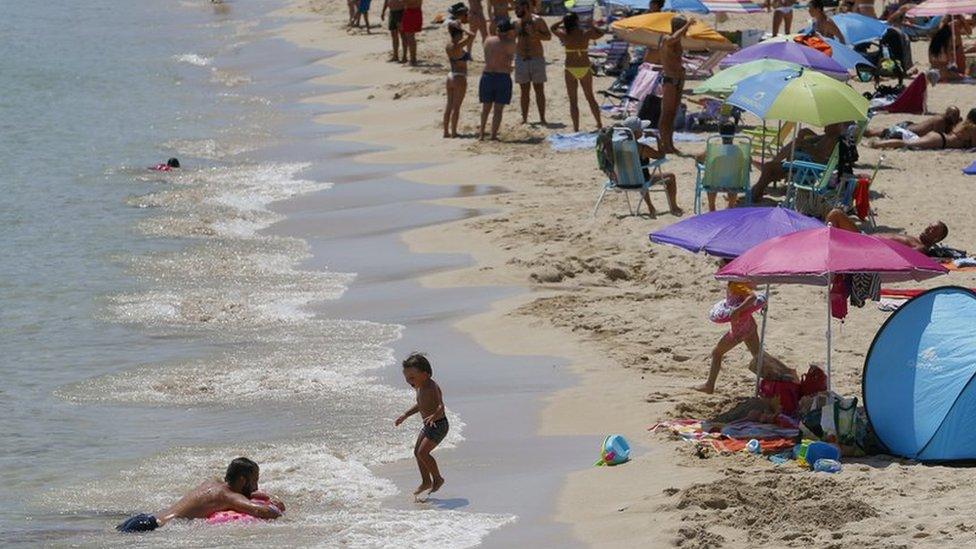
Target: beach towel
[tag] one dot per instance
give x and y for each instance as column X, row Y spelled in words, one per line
column 766, row 446
column 748, row 430
column 563, row 142
column 862, row 198
column 970, row 169
column 690, row 430
column 911, row 100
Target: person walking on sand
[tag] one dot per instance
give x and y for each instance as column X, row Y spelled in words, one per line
column 476, row 19
column 672, row 81
column 238, row 492
column 578, row 73
column 394, row 26
column 430, row 404
column 458, row 54
column 362, row 14
column 530, row 61
column 411, row 23
column 740, row 302
column 495, row 87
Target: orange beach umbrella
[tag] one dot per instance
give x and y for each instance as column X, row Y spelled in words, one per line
column 648, row 29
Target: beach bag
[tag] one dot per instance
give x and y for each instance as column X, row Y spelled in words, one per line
column 813, row 382
column 786, row 393
column 614, row 451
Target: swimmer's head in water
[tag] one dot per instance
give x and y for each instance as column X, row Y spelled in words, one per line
column 173, row 163
column 416, row 369
column 242, row 476
column 934, row 233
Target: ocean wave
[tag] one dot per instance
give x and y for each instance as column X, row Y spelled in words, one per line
column 193, row 59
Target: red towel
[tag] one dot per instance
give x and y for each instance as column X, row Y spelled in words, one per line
column 862, row 199
column 912, row 99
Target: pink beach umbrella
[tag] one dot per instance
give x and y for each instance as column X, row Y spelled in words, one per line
column 814, row 256
column 933, row 8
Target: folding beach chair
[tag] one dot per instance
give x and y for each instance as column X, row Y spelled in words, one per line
column 621, row 105
column 619, row 159
column 819, row 182
column 611, row 58
column 699, row 68
column 767, row 141
column 726, row 169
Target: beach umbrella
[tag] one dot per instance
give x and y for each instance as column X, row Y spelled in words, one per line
column 934, row 8
column 732, row 6
column 722, row 83
column 688, row 6
column 787, row 51
column 647, row 30
column 728, row 234
column 814, row 256
column 858, row 29
column 842, row 53
column 803, row 96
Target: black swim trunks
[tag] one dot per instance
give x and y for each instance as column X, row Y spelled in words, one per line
column 395, row 17
column 139, row 523
column 438, row 431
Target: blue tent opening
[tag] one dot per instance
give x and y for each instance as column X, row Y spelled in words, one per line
column 918, row 387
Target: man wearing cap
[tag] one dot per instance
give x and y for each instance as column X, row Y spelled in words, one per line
column 495, row 87
column 530, row 62
column 637, row 127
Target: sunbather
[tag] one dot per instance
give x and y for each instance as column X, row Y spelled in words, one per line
column 822, row 24
column 909, row 131
column 638, row 127
column 962, row 136
column 932, row 235
column 809, row 146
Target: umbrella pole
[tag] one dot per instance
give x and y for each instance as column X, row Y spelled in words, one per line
column 762, row 342
column 762, row 147
column 829, row 379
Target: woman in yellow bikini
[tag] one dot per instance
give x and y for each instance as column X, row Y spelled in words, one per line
column 578, row 70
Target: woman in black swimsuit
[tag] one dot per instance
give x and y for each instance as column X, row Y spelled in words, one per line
column 458, row 54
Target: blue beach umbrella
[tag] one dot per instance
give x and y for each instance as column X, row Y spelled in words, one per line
column 858, row 29
column 689, row 6
column 804, row 96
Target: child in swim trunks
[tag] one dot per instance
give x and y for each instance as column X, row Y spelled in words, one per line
column 740, row 299
column 430, row 405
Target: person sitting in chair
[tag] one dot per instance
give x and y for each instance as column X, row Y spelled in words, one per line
column 808, row 146
column 638, row 127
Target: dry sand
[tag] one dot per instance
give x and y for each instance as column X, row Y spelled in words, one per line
column 631, row 316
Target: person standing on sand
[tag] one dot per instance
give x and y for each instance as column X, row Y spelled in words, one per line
column 362, row 13
column 495, row 87
column 822, row 24
column 411, row 23
column 652, row 54
column 236, row 493
column 783, row 15
column 458, row 54
column 498, row 12
column 530, row 61
column 579, row 72
column 672, row 81
column 476, row 17
column 396, row 34
column 430, row 404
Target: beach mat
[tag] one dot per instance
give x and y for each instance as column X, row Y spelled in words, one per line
column 970, row 169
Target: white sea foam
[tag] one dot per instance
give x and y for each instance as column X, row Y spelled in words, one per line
column 193, row 59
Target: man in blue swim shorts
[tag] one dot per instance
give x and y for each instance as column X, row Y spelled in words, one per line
column 238, row 492
column 495, row 87
column 362, row 13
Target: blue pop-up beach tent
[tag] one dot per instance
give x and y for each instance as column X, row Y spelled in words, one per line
column 918, row 387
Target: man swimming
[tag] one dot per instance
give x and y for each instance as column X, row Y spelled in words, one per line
column 233, row 494
column 932, row 235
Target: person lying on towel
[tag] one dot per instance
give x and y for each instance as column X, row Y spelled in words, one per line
column 962, row 136
column 932, row 235
column 909, row 131
column 233, row 494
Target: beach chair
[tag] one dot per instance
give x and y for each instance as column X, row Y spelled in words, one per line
column 621, row 105
column 818, row 182
column 610, row 59
column 727, row 168
column 619, row 160
column 767, row 141
column 699, row 68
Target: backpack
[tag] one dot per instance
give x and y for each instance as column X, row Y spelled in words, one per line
column 604, row 152
column 813, row 382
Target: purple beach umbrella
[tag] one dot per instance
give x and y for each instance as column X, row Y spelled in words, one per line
column 729, row 233
column 788, row 51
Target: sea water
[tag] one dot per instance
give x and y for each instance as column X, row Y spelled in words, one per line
column 151, row 329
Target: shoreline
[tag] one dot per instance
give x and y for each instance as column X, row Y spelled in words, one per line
column 628, row 317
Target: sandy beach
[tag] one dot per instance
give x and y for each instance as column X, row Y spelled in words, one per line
column 630, row 317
